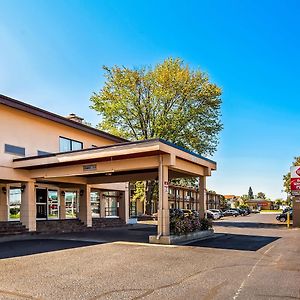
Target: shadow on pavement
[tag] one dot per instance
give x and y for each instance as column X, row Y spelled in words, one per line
column 47, row 243
column 235, row 242
column 140, row 234
column 29, row 247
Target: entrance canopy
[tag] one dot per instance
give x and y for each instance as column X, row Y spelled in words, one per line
column 116, row 163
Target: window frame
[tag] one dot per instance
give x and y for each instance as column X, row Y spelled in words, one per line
column 6, row 150
column 70, row 144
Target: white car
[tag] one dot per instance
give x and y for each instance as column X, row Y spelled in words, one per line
column 215, row 215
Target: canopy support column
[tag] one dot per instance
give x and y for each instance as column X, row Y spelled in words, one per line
column 28, row 206
column 202, row 196
column 85, row 212
column 4, row 197
column 163, row 210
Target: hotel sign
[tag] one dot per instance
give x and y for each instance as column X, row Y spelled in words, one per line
column 88, row 168
column 295, row 181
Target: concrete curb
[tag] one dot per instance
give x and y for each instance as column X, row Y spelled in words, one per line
column 181, row 239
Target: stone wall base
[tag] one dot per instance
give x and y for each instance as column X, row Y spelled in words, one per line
column 180, row 239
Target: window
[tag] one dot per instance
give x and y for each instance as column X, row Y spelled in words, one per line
column 66, row 145
column 14, row 150
column 41, row 153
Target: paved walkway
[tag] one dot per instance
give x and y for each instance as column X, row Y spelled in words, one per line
column 239, row 263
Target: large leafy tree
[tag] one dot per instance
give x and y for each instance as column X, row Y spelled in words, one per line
column 169, row 101
column 287, row 177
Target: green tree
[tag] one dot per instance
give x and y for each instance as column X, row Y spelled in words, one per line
column 261, row 195
column 244, row 198
column 170, row 101
column 139, row 191
column 279, row 201
column 287, row 177
column 250, row 193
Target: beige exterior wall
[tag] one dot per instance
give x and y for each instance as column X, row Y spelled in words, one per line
column 34, row 133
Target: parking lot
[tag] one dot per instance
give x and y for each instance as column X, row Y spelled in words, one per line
column 250, row 257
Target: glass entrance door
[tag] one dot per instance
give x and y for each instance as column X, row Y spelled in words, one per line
column 95, row 204
column 14, row 203
column 53, row 204
column 41, row 203
column 111, row 207
column 71, row 205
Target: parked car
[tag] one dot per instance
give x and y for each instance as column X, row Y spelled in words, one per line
column 217, row 211
column 209, row 215
column 215, row 215
column 286, row 209
column 231, row 212
column 283, row 216
column 255, row 211
column 242, row 211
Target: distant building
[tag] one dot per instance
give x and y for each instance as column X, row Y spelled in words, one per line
column 259, row 204
column 180, row 197
column 232, row 200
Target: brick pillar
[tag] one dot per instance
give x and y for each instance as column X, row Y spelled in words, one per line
column 28, row 206
column 62, row 207
column 4, row 198
column 163, row 211
column 85, row 212
column 202, row 196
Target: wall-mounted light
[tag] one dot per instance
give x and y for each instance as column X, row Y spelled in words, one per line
column 81, row 192
column 23, row 187
column 4, row 190
column 62, row 193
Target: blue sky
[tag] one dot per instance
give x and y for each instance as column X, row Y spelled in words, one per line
column 51, row 53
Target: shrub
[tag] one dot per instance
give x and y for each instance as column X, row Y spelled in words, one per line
column 183, row 224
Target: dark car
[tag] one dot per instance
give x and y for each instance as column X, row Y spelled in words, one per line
column 240, row 211
column 286, row 210
column 283, row 216
column 231, row 212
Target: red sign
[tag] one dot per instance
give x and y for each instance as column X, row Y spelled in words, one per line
column 295, row 184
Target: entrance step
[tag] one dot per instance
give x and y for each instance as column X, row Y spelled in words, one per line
column 107, row 222
column 12, row 228
column 59, row 226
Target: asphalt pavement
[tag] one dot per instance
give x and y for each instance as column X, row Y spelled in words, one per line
column 239, row 262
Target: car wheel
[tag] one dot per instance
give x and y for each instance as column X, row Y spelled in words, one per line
column 282, row 219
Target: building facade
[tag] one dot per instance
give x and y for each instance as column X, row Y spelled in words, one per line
column 57, row 168
column 27, row 131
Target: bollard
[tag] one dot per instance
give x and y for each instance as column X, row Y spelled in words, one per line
column 288, row 219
